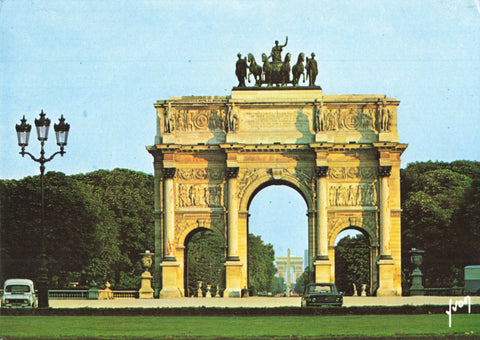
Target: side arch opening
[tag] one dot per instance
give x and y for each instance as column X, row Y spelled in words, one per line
column 204, row 259
column 353, row 262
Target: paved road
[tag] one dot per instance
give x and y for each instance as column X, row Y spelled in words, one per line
column 254, row 302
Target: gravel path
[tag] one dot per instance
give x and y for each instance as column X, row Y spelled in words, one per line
column 254, row 302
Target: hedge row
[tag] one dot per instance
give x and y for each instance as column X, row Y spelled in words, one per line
column 203, row 311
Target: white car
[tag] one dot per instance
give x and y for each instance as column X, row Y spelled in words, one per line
column 19, row 293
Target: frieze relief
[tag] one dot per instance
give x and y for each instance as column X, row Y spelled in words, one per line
column 200, row 174
column 352, row 195
column 185, row 120
column 199, row 195
column 367, row 119
column 364, row 173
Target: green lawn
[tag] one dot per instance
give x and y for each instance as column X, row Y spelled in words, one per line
column 114, row 327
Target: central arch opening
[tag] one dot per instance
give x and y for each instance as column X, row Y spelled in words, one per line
column 278, row 215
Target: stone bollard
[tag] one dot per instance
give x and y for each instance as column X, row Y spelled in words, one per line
column 355, row 290
column 364, row 292
column 106, row 294
column 93, row 291
column 208, row 295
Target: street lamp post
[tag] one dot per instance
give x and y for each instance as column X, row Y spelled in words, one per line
column 23, row 134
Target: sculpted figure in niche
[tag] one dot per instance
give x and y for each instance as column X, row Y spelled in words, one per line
column 276, row 54
column 312, row 70
column 241, row 70
column 169, row 119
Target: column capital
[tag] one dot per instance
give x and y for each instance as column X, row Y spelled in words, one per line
column 385, row 170
column 321, row 171
column 231, row 172
column 169, row 173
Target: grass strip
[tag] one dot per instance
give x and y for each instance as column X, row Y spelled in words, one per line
column 164, row 327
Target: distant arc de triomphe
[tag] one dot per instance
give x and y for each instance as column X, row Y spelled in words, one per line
column 213, row 154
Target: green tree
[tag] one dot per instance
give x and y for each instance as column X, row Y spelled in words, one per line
column 128, row 195
column 261, row 264
column 302, row 281
column 436, row 218
column 205, row 262
column 95, row 224
column 352, row 258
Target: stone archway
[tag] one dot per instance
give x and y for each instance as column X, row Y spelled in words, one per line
column 372, row 244
column 330, row 148
column 208, row 261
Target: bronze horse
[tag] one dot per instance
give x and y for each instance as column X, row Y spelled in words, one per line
column 298, row 69
column 276, row 73
column 254, row 69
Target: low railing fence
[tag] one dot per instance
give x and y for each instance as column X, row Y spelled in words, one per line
column 125, row 294
column 454, row 291
column 68, row 294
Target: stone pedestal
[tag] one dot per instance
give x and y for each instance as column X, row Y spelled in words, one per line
column 323, row 271
column 170, row 280
column 146, row 290
column 233, row 277
column 385, row 273
column 417, row 286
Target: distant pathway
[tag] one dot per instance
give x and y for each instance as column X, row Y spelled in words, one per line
column 249, row 302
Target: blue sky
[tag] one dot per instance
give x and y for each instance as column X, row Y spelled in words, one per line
column 104, row 63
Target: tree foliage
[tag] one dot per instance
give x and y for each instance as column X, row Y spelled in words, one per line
column 87, row 235
column 205, row 262
column 261, row 264
column 441, row 211
column 352, row 263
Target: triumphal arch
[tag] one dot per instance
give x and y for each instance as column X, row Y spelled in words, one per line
column 212, row 154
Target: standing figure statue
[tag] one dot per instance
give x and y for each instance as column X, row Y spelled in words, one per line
column 385, row 117
column 241, row 70
column 312, row 70
column 320, row 117
column 231, row 119
column 169, row 119
column 276, row 54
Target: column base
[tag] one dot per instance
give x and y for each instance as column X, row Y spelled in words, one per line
column 233, row 274
column 323, row 270
column 170, row 280
column 385, row 277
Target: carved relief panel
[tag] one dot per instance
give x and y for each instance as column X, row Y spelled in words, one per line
column 361, row 191
column 366, row 119
column 188, row 120
column 199, row 188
